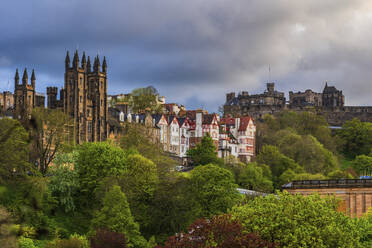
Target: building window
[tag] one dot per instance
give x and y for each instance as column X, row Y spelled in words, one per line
column 8, row 103
column 101, row 103
column 81, row 98
column 89, row 127
column 81, row 81
column 29, row 99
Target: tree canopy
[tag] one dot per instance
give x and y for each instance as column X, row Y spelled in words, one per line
column 357, row 137
column 204, row 152
column 214, row 189
column 144, row 98
column 13, row 149
column 116, row 216
column 298, row 221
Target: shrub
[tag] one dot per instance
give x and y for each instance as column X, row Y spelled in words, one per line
column 107, row 239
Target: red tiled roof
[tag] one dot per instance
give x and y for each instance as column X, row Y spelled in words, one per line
column 244, row 121
column 228, row 121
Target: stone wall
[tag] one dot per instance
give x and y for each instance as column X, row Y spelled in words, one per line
column 354, row 201
column 355, row 194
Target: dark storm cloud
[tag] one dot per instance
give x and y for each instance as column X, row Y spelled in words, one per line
column 195, row 51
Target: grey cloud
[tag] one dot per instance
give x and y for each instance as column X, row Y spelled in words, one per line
column 195, row 51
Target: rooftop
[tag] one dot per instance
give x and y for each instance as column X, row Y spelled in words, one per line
column 333, row 183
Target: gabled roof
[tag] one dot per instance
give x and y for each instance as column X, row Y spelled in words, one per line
column 228, row 121
column 244, row 121
column 208, row 118
column 181, row 120
column 171, row 118
column 157, row 118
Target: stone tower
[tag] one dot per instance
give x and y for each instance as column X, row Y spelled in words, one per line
column 52, row 97
column 85, row 97
column 332, row 98
column 24, row 96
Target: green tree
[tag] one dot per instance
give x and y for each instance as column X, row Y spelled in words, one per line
column 357, row 137
column 277, row 162
column 49, row 131
column 139, row 183
column 96, row 161
column 307, row 151
column 13, row 149
column 7, row 233
column 362, row 164
column 144, row 98
column 136, row 137
column 116, row 216
column 204, row 152
column 214, row 189
column 64, row 182
column 364, row 224
column 340, row 174
column 298, row 221
column 173, row 209
column 252, row 176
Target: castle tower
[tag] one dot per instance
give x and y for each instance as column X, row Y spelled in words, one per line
column 24, row 96
column 52, row 97
column 85, row 98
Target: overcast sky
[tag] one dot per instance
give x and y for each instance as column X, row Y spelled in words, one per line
column 195, row 51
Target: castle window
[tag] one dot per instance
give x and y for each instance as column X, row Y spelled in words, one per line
column 89, row 127
column 81, row 81
column 8, row 104
column 29, row 99
column 81, row 98
column 101, row 103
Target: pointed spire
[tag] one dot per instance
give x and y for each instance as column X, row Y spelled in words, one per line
column 75, row 62
column 97, row 64
column 83, row 60
column 25, row 76
column 33, row 78
column 16, row 77
column 89, row 67
column 67, row 60
column 33, row 75
column 104, row 64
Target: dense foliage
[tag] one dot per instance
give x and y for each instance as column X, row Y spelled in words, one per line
column 13, row 150
column 129, row 195
column 298, row 221
column 204, row 152
column 357, row 137
column 218, row 231
column 116, row 216
column 214, row 189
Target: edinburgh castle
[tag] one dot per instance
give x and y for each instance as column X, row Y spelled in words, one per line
column 329, row 103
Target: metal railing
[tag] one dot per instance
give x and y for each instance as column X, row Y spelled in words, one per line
column 332, row 183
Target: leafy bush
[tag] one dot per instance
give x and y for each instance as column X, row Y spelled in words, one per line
column 214, row 189
column 218, row 231
column 104, row 238
column 298, row 221
column 26, row 243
